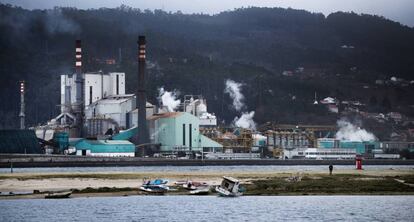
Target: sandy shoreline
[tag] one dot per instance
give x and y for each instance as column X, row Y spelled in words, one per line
column 28, row 182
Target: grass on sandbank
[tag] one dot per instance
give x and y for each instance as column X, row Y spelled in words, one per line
column 325, row 184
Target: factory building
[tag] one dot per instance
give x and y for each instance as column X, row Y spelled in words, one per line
column 288, row 139
column 197, row 106
column 116, row 112
column 106, row 105
column 361, row 147
column 98, row 85
column 109, row 148
column 320, row 153
column 178, row 131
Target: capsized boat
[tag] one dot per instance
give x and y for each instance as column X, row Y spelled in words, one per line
column 58, row 195
column 229, row 187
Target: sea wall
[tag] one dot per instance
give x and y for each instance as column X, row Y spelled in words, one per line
column 21, row 160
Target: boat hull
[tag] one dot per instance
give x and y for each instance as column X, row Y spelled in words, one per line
column 58, row 195
column 225, row 193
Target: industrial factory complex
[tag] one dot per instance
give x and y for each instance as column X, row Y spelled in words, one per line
column 99, row 118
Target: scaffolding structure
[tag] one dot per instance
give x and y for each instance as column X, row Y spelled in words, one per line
column 234, row 140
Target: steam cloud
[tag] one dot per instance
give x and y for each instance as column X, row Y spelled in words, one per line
column 348, row 131
column 169, row 99
column 234, row 90
column 245, row 121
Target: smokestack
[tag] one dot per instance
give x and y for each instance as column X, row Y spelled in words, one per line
column 143, row 134
column 79, row 88
column 78, row 57
column 22, row 115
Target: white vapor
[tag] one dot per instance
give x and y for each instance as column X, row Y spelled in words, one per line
column 348, row 131
column 169, row 99
column 57, row 22
column 245, row 121
column 234, row 90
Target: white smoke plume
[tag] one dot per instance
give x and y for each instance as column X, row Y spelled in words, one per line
column 57, row 22
column 169, row 99
column 234, row 90
column 348, row 131
column 245, row 121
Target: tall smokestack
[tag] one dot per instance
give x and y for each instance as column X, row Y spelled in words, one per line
column 22, row 115
column 143, row 135
column 79, row 88
column 78, row 57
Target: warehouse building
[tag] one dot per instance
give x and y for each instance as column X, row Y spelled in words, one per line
column 361, row 147
column 109, row 148
column 178, row 131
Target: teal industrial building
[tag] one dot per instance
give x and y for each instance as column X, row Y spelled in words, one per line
column 179, row 131
column 361, row 147
column 113, row 148
column 172, row 132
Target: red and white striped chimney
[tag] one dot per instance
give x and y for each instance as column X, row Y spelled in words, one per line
column 141, row 54
column 79, row 110
column 78, row 56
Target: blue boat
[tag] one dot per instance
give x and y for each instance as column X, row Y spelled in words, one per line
column 155, row 186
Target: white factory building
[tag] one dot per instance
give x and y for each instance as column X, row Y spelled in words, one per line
column 98, row 85
column 108, row 107
column 197, row 106
column 106, row 104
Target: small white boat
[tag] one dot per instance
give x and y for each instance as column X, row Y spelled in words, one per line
column 229, row 187
column 58, row 195
column 201, row 191
column 154, row 189
column 180, row 182
column 193, row 185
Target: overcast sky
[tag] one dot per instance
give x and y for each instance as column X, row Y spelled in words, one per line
column 397, row 10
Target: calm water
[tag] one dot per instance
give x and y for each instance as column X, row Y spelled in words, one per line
column 211, row 208
column 272, row 168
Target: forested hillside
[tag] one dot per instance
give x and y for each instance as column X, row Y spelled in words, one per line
column 282, row 56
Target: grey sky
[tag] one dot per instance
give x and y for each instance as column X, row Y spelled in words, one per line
column 397, row 10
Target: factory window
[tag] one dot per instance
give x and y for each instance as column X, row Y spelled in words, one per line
column 183, row 134
column 90, row 94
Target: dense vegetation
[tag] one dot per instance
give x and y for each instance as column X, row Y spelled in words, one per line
column 196, row 53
